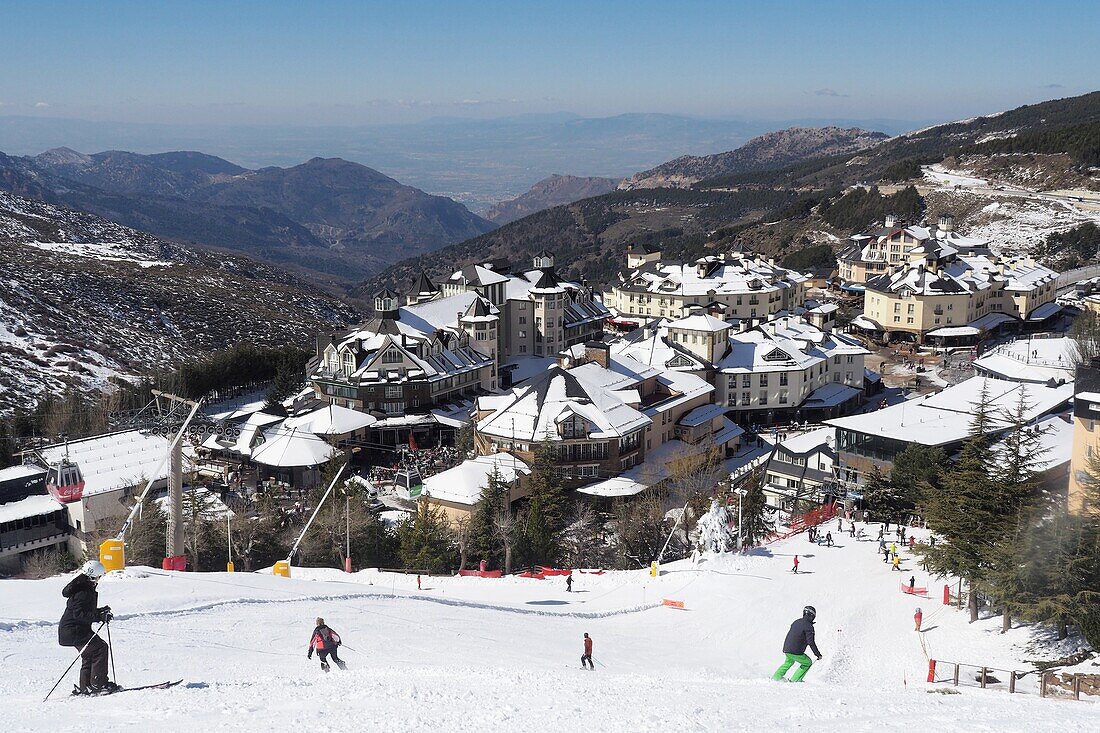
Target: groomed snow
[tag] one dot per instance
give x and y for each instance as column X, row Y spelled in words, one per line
column 474, row 654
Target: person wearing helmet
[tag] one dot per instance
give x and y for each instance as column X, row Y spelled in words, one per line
column 75, row 629
column 798, row 638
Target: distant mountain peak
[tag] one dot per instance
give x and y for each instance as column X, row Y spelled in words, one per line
column 770, row 150
column 554, row 190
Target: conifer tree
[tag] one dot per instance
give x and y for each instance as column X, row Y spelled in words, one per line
column 147, row 536
column 547, row 507
column 482, row 540
column 757, row 518
column 424, row 541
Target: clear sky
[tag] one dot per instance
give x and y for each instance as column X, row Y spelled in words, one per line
column 362, row 62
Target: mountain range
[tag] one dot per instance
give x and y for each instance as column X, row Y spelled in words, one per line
column 328, row 218
column 771, row 150
column 86, row 300
column 552, row 191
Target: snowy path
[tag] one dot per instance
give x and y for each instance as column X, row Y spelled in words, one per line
column 470, row 654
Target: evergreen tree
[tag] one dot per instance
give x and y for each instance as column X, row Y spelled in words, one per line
column 482, row 540
column 203, row 530
column 966, row 511
column 147, row 537
column 547, row 507
column 916, row 474
column 757, row 518
column 424, row 541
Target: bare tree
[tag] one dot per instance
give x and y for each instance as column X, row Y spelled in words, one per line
column 461, row 527
column 583, row 543
column 506, row 529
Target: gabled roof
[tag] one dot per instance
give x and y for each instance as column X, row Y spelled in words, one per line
column 477, row 275
column 424, row 285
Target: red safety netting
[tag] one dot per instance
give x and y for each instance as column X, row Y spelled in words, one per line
column 554, row 571
column 914, row 590
column 802, row 522
column 480, row 573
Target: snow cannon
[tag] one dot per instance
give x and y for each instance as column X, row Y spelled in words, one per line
column 229, row 567
column 282, row 568
column 112, row 553
column 653, row 569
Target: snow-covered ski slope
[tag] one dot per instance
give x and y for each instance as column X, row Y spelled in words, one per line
column 471, row 654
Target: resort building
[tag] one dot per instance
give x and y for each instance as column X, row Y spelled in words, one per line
column 1084, row 475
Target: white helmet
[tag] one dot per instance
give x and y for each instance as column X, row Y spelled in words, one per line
column 94, row 569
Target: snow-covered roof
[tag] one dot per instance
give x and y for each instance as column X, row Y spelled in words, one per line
column 32, row 506
column 702, row 414
column 831, row 395
column 463, row 483
column 1032, row 360
column 735, row 272
column 964, row 274
column 809, row 441
column 116, row 460
column 26, row 470
column 332, row 420
column 289, row 447
column 651, row 345
column 700, row 322
column 1055, row 442
column 945, row 417
column 1045, row 311
column 862, row 321
column 784, row 344
column 525, row 367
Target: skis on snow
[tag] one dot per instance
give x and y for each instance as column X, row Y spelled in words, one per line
column 157, row 686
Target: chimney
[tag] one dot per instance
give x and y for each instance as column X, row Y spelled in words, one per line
column 947, row 223
column 891, row 220
column 599, row 353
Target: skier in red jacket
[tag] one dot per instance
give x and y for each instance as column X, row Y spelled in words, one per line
column 325, row 642
column 587, row 656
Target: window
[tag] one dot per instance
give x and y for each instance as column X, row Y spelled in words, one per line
column 523, row 349
column 393, row 391
column 836, row 359
column 783, row 379
column 763, row 398
column 909, row 319
column 911, row 308
column 746, row 398
column 746, row 380
column 763, row 380
column 897, row 319
column 482, row 336
column 783, row 397
column 897, row 307
column 349, row 362
column 523, row 319
column 851, row 359
column 391, row 356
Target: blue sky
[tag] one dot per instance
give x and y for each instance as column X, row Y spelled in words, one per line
column 366, row 62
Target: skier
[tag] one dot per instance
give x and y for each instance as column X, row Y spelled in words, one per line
column 912, row 583
column 325, row 641
column 897, row 563
column 917, row 618
column 880, row 539
column 912, row 542
column 568, row 583
column 75, row 629
column 852, row 530
column 798, row 638
column 829, row 539
column 840, row 524
column 795, row 568
column 886, row 554
column 587, row 656
column 893, row 548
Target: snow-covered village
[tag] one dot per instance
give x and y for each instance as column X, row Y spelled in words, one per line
column 777, row 410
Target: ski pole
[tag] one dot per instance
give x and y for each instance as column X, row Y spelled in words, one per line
column 78, row 656
column 111, row 650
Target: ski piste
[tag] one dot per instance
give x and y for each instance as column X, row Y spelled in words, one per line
column 157, row 686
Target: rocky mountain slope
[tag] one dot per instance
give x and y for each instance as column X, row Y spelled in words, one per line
column 773, row 150
column 326, row 218
column 86, row 300
column 552, row 191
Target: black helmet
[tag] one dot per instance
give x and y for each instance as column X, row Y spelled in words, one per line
column 810, row 612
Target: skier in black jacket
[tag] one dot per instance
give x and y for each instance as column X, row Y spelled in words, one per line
column 798, row 638
column 75, row 629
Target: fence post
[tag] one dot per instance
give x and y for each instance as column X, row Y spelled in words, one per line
column 946, row 594
column 983, row 677
column 1043, row 685
column 956, row 674
column 1076, row 686
column 931, row 670
column 1011, row 683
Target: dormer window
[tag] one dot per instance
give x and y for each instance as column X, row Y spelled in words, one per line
column 777, row 355
column 349, row 363
column 391, row 356
column 574, row 427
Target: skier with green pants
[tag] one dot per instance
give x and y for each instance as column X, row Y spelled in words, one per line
column 798, row 638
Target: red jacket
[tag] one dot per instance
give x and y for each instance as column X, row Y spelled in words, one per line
column 324, row 638
column 588, row 646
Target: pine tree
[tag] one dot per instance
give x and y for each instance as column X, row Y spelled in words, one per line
column 757, row 518
column 147, row 537
column 547, row 507
column 482, row 540
column 966, row 511
column 424, row 541
column 203, row 530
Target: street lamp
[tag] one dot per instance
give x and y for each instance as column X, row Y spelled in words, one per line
column 741, row 493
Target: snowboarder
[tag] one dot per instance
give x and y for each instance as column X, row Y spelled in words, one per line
column 829, row 539
column 800, row 636
column 75, row 629
column 568, row 583
column 325, row 642
column 587, row 656
column 795, row 568
column 917, row 618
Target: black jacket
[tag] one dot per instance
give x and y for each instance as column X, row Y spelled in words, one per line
column 81, row 612
column 799, row 637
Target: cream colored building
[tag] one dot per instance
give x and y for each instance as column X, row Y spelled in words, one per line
column 945, row 295
column 738, row 285
column 1085, row 457
column 883, row 249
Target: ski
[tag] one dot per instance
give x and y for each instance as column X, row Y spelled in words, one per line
column 157, row 686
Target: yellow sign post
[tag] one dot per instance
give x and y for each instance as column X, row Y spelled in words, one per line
column 653, row 568
column 112, row 553
column 282, row 568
